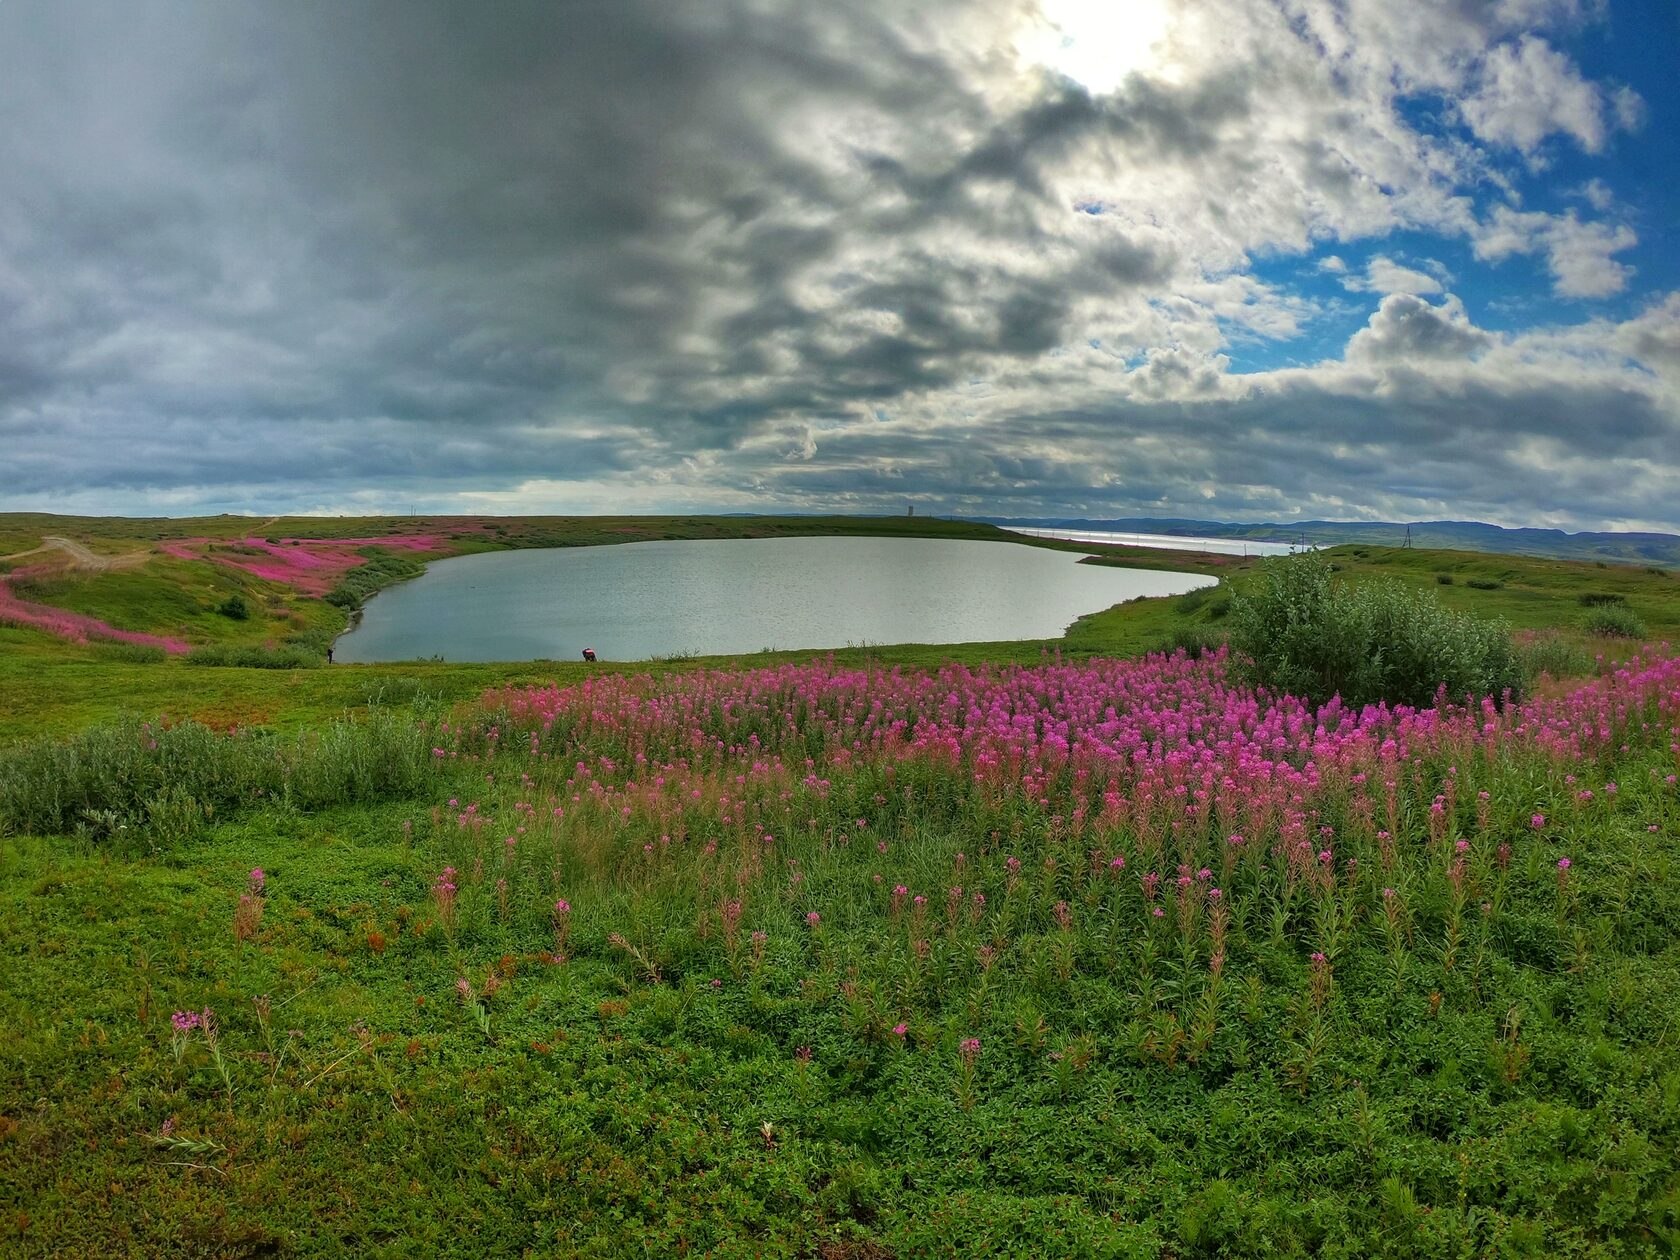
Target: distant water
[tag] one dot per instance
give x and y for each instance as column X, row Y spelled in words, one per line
column 636, row 600
column 1167, row 542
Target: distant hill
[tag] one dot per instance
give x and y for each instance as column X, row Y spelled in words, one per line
column 1658, row 549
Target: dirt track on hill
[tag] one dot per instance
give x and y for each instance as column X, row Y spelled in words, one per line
column 80, row 556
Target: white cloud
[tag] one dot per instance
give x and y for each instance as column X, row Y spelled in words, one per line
column 1579, row 254
column 1384, row 275
column 1527, row 91
column 1406, row 329
column 1597, row 194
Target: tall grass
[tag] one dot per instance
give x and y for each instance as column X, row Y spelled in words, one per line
column 160, row 779
column 248, row 657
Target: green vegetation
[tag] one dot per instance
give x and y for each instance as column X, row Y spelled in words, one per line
column 1615, row 621
column 119, row 778
column 1300, row 632
column 1447, row 1038
column 1551, row 655
column 378, row 570
column 254, row 657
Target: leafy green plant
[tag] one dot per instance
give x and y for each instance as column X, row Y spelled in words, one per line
column 1615, row 621
column 234, row 608
column 1298, row 630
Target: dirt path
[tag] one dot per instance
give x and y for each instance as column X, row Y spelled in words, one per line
column 80, row 556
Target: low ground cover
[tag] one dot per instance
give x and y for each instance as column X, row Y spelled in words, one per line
column 1072, row 958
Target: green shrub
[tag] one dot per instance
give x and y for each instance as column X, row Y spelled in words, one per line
column 254, row 657
column 234, row 607
column 1599, row 599
column 1299, row 631
column 1444, row 579
column 1483, row 584
column 1615, row 621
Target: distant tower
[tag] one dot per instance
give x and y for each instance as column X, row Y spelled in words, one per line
column 1408, row 541
column 911, row 511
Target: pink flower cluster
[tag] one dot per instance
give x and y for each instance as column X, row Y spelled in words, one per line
column 77, row 627
column 311, row 565
column 1150, row 745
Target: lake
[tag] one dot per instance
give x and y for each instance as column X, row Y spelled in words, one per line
column 1160, row 542
column 632, row 601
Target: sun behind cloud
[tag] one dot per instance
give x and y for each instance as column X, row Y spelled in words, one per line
column 1098, row 44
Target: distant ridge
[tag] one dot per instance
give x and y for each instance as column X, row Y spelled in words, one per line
column 1658, row 549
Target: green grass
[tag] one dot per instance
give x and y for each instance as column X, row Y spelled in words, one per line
column 1487, row 1079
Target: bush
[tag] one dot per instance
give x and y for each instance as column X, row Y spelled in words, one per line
column 1444, row 579
column 234, row 607
column 1599, row 599
column 1300, row 632
column 1483, row 584
column 1615, row 621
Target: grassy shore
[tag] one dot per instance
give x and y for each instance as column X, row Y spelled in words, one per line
column 990, row 949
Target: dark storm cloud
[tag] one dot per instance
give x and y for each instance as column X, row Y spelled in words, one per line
column 806, row 255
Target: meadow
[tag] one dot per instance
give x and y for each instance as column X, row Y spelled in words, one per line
column 1039, row 949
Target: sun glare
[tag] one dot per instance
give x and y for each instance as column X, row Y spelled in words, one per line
column 1097, row 43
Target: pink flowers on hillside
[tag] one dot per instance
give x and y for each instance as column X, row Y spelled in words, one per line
column 311, row 565
column 77, row 627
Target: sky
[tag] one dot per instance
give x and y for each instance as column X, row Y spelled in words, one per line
column 1227, row 259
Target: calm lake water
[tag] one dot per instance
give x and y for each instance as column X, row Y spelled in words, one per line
column 1163, row 542
column 635, row 600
